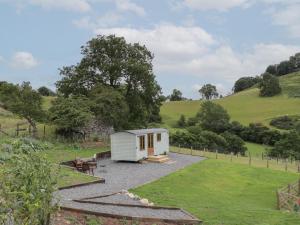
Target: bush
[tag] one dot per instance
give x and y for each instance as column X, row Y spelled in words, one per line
column 284, row 122
column 244, row 83
column 26, row 190
column 287, row 146
column 234, row 143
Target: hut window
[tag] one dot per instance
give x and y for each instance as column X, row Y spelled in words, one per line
column 158, row 137
column 142, row 143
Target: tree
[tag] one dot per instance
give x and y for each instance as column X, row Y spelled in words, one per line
column 110, row 61
column 44, row 91
column 109, row 106
column 288, row 146
column 70, row 114
column 269, row 85
column 235, row 143
column 27, row 183
column 272, row 69
column 213, row 117
column 284, row 68
column 176, row 95
column 208, row 91
column 182, row 121
column 23, row 101
column 244, row 83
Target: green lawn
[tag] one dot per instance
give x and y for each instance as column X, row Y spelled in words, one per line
column 255, row 149
column 245, row 107
column 220, row 192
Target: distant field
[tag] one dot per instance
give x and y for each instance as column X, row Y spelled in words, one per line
column 246, row 106
column 220, row 192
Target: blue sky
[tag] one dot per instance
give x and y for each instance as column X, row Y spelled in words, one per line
column 194, row 41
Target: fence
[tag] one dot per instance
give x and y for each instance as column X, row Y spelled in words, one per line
column 288, row 198
column 262, row 161
column 21, row 129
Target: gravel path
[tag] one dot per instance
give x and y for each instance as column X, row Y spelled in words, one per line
column 120, row 176
column 125, row 175
column 170, row 214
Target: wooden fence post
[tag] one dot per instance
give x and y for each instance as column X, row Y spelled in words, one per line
column 250, row 159
column 44, row 131
column 231, row 156
column 17, row 130
column 191, row 150
column 286, row 166
column 262, row 156
column 267, row 162
column 216, row 154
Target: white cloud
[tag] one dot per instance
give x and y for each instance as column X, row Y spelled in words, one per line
column 191, row 51
column 69, row 5
column 23, row 60
column 127, row 5
column 108, row 19
column 289, row 17
column 220, row 5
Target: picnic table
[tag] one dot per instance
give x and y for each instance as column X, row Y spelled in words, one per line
column 85, row 165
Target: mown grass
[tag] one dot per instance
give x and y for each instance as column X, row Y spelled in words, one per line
column 245, row 107
column 255, row 149
column 220, row 192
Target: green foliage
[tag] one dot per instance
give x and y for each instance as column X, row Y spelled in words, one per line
column 244, row 83
column 213, row 117
column 27, row 184
column 109, row 106
column 44, row 91
column 288, row 146
column 269, row 86
column 127, row 68
column 284, row 122
column 234, row 143
column 208, row 91
column 176, row 95
column 23, row 101
column 70, row 113
column 182, row 121
column 285, row 67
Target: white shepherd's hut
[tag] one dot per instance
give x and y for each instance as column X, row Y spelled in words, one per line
column 135, row 145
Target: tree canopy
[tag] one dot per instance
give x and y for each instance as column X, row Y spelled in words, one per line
column 213, row 117
column 208, row 91
column 269, row 86
column 244, row 83
column 176, row 95
column 44, row 91
column 24, row 102
column 110, row 61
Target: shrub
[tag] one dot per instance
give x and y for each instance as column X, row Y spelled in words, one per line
column 26, row 187
column 284, row 122
column 234, row 143
column 181, row 122
column 269, row 86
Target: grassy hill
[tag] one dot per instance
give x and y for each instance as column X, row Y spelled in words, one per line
column 245, row 106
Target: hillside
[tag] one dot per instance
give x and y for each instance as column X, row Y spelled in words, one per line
column 245, row 106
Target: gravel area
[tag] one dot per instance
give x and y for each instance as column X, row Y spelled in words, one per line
column 132, row 211
column 126, row 175
column 121, row 176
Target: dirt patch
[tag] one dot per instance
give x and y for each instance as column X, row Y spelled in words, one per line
column 66, row 218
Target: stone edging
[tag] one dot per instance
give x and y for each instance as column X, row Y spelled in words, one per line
column 100, row 180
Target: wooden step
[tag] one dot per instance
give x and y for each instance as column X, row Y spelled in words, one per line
column 158, row 158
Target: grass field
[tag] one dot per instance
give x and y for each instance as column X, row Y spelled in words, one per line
column 245, row 107
column 255, row 149
column 220, row 192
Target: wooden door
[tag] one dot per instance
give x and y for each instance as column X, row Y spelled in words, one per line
column 150, row 144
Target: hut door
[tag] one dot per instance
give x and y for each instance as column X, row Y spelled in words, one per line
column 150, row 145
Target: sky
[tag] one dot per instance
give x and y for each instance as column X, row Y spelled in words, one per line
column 194, row 41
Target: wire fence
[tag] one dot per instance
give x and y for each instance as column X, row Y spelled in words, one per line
column 261, row 161
column 288, row 198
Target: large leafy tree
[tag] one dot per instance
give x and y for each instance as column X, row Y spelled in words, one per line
column 269, row 86
column 208, row 91
column 213, row 117
column 24, row 102
column 111, row 62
